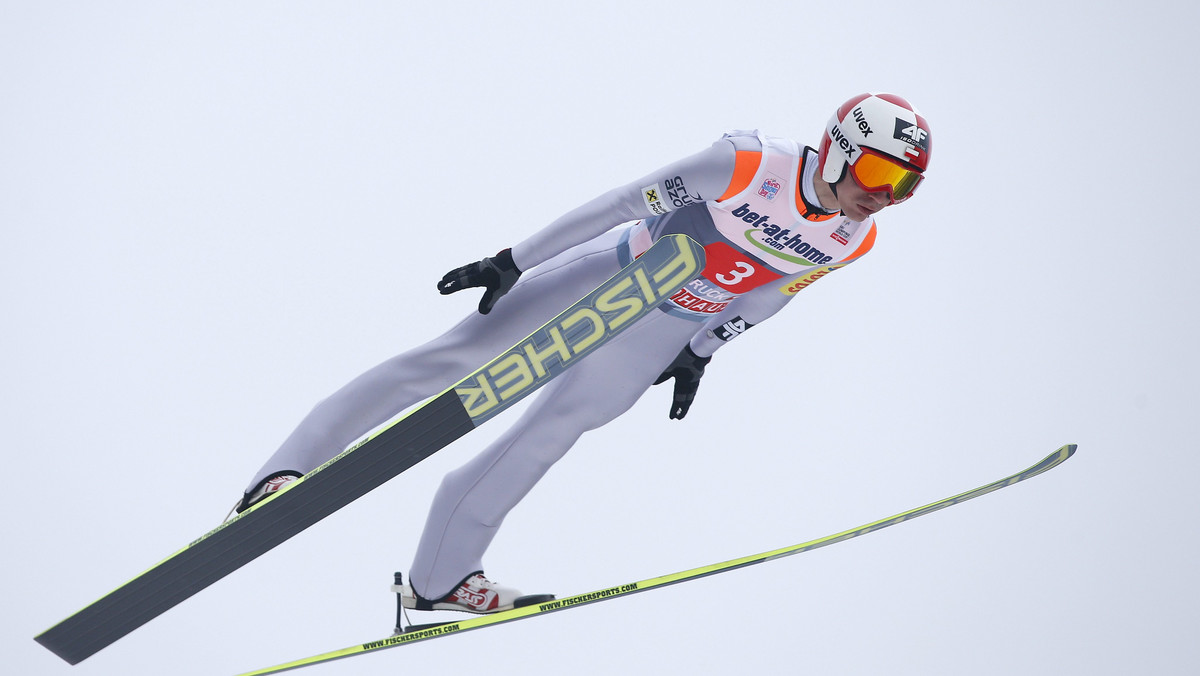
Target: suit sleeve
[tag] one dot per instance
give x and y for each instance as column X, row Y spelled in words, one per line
column 743, row 312
column 707, row 174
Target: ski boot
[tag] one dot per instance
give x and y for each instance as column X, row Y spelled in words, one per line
column 475, row 594
column 265, row 489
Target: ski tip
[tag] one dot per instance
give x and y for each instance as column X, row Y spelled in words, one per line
column 1058, row 457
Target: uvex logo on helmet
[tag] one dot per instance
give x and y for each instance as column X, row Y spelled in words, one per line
column 861, row 119
column 848, row 148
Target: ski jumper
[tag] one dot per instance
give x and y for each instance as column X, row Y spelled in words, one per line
column 748, row 199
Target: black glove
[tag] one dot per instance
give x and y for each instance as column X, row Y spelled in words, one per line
column 498, row 274
column 686, row 370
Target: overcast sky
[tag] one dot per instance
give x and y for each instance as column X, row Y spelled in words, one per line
column 214, row 214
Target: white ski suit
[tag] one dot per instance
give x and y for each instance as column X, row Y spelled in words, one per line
column 748, row 199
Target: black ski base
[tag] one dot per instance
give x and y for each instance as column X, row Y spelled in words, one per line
column 244, row 539
column 579, row 330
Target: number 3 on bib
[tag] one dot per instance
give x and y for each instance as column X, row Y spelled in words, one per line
column 743, row 271
column 733, row 270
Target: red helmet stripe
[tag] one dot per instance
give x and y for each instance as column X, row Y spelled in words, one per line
column 849, row 105
column 892, row 98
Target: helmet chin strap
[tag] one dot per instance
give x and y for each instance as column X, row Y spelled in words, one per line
column 845, row 174
column 834, row 186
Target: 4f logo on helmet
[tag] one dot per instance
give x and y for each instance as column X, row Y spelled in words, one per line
column 913, row 135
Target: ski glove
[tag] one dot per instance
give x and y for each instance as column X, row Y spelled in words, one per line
column 686, row 370
column 498, row 274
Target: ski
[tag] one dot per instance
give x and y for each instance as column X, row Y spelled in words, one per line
column 579, row 330
column 426, row 632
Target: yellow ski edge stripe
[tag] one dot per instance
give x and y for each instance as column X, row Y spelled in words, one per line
column 1049, row 462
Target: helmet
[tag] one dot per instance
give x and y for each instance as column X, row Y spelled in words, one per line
column 882, row 140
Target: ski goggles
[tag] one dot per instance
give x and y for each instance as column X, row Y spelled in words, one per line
column 875, row 172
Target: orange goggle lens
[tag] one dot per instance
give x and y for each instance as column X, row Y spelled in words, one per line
column 875, row 173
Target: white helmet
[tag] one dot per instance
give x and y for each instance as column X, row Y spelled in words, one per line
column 885, row 128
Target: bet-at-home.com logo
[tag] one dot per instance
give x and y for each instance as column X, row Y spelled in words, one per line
column 778, row 240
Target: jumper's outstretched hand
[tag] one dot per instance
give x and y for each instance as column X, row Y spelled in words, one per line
column 497, row 274
column 686, row 370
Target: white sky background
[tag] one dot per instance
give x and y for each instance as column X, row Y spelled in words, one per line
column 214, row 214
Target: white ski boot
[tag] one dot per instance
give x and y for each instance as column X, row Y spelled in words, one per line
column 475, row 594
